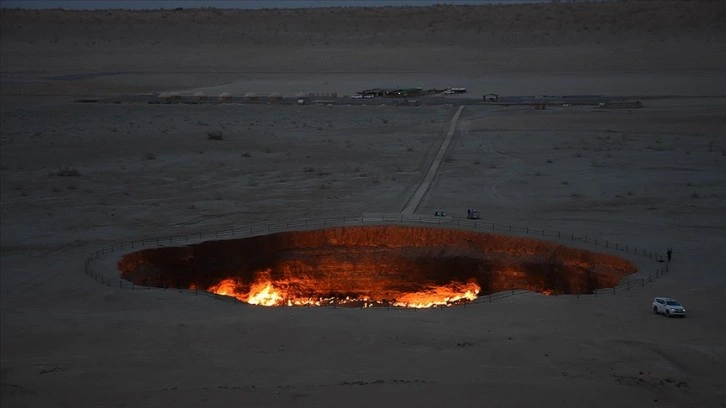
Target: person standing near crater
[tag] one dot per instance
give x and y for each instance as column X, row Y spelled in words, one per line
column 669, row 253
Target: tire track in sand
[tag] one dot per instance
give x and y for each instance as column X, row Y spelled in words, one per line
column 492, row 184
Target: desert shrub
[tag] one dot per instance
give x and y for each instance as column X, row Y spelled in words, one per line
column 68, row 172
column 215, row 135
column 150, row 156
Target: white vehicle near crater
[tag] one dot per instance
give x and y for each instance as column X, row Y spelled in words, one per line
column 669, row 307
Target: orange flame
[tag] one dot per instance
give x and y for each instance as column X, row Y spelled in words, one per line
column 265, row 292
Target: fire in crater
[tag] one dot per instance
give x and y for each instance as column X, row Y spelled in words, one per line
column 368, row 266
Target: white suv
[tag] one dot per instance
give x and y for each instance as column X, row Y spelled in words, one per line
column 669, row 307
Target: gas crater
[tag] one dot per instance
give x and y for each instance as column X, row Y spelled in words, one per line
column 368, row 266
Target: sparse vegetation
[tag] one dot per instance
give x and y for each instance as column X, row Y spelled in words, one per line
column 215, row 135
column 68, row 172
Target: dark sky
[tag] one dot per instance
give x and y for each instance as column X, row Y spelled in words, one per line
column 153, row 4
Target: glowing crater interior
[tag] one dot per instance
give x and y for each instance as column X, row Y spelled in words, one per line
column 367, row 266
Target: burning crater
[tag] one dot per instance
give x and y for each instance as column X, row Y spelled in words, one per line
column 367, row 266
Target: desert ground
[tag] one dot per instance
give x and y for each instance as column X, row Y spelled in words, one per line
column 77, row 177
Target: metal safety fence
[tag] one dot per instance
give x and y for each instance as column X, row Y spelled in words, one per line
column 638, row 280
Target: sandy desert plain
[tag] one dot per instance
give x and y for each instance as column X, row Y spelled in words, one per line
column 653, row 177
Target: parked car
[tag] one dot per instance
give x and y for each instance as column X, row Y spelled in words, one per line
column 669, row 307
